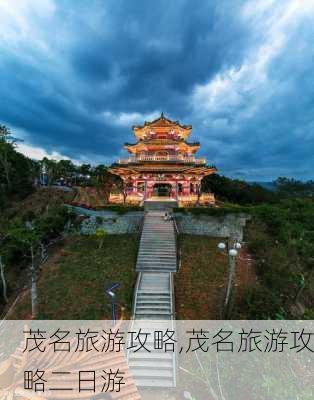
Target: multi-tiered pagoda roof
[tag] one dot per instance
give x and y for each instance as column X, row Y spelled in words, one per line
column 162, row 153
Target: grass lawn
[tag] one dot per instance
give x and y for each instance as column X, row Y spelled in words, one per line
column 72, row 282
column 200, row 283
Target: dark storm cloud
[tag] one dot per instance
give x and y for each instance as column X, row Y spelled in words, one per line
column 76, row 75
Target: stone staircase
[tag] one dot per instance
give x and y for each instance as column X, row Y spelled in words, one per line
column 153, row 300
column 157, row 250
column 153, row 368
column 154, row 296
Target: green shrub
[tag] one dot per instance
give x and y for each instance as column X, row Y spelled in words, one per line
column 99, row 220
column 214, row 211
column 261, row 303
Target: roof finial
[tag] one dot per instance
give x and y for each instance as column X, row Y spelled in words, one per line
column 162, row 115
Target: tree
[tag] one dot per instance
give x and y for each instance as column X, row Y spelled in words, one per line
column 101, row 235
column 29, row 238
column 3, row 253
column 16, row 170
column 6, row 146
column 85, row 169
column 51, row 167
column 65, row 168
column 287, row 187
column 123, row 186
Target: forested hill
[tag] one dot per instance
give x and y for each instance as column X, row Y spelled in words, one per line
column 244, row 193
column 16, row 171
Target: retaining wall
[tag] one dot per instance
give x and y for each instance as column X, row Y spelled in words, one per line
column 230, row 225
column 112, row 222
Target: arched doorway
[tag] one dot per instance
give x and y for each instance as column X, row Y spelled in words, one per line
column 162, row 189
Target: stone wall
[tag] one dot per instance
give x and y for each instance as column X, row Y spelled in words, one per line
column 112, row 222
column 230, row 225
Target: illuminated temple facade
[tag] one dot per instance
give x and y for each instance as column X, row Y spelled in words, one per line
column 162, row 165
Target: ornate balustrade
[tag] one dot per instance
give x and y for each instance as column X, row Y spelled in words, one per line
column 187, row 160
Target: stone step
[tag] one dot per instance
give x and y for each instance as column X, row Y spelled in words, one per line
column 154, row 294
column 156, row 268
column 152, row 313
column 156, row 355
column 155, row 236
column 152, row 277
column 164, row 228
column 151, row 299
column 161, row 252
column 153, row 268
column 160, row 300
column 156, row 254
column 160, row 383
column 165, row 252
column 153, row 318
column 153, row 373
column 147, row 283
column 151, row 364
column 164, row 293
column 156, row 289
column 157, row 260
column 160, row 247
column 154, row 227
column 157, row 249
column 161, row 310
column 157, row 263
column 157, row 240
column 154, row 306
column 152, row 264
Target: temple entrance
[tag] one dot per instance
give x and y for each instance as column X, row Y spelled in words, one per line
column 162, row 189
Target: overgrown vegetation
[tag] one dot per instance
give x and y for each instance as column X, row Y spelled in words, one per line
column 95, row 198
column 215, row 211
column 280, row 238
column 26, row 231
column 72, row 283
column 200, row 283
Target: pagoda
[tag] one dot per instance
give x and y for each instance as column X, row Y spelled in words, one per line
column 163, row 165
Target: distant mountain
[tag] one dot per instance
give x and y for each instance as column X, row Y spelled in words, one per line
column 267, row 185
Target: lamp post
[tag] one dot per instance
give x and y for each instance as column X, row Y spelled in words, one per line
column 112, row 296
column 232, row 249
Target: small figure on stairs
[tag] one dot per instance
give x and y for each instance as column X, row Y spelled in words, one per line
column 167, row 217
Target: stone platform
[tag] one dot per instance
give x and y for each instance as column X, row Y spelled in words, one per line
column 160, row 204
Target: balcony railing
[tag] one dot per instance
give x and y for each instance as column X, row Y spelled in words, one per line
column 185, row 160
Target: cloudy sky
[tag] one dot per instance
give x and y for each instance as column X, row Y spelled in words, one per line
column 75, row 75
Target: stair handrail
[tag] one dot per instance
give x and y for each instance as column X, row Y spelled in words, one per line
column 139, row 275
column 172, row 303
column 178, row 250
column 137, row 285
column 171, row 290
